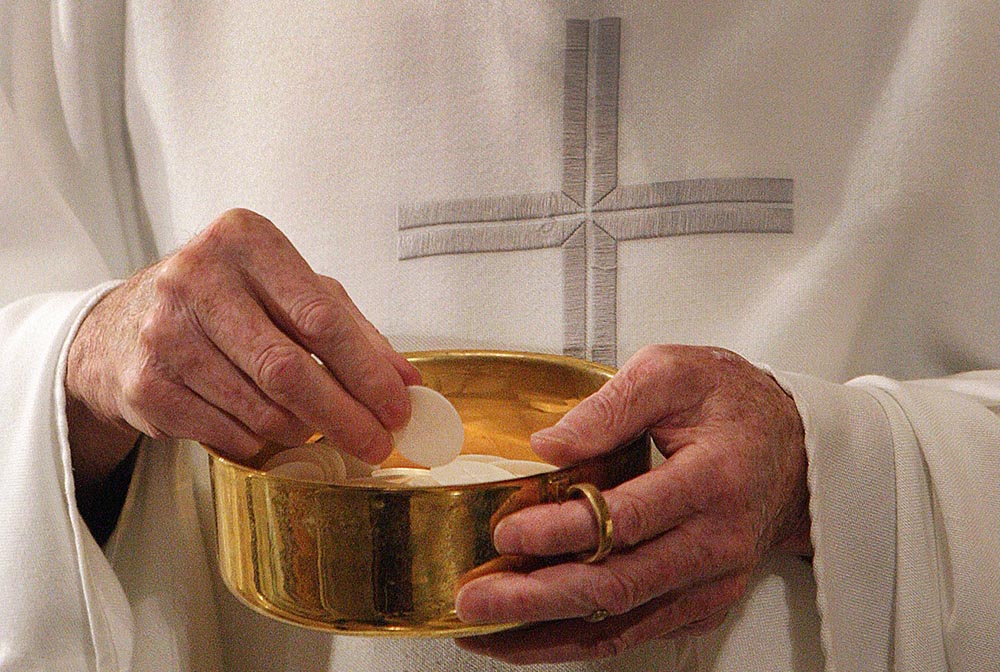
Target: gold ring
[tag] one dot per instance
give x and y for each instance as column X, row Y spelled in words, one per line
column 605, row 541
column 598, row 616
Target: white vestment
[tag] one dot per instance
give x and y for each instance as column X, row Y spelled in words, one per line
column 813, row 185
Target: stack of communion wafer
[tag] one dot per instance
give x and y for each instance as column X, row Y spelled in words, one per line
column 432, row 439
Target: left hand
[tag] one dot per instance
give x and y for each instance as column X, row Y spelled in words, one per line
column 688, row 535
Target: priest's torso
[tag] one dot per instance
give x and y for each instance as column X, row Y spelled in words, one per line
column 584, row 177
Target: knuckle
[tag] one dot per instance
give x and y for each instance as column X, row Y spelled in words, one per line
column 238, row 216
column 274, row 423
column 674, row 370
column 152, row 331
column 732, row 590
column 609, row 407
column 620, row 592
column 643, row 376
column 724, row 355
column 276, row 369
column 167, row 343
column 335, row 287
column 135, row 394
column 237, row 224
column 654, row 361
column 172, row 280
column 634, row 518
column 316, row 319
column 612, row 646
column 651, row 352
column 185, row 286
column 158, row 330
column 232, row 232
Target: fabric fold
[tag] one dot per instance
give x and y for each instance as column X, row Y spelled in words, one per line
column 75, row 614
column 853, row 519
column 902, row 526
column 948, row 535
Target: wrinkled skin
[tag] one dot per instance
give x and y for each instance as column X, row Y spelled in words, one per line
column 688, row 535
column 215, row 343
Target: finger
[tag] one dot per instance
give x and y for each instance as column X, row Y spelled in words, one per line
column 624, row 581
column 210, row 375
column 154, row 413
column 656, row 386
column 321, row 317
column 406, row 370
column 699, row 608
column 701, row 627
column 305, row 309
column 287, row 374
column 642, row 508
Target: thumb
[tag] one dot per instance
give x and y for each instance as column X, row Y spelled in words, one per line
column 627, row 405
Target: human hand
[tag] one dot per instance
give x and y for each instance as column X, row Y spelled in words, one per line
column 688, row 534
column 215, row 343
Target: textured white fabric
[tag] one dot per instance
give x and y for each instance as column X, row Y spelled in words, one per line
column 159, row 555
column 846, row 439
column 70, row 610
column 328, row 117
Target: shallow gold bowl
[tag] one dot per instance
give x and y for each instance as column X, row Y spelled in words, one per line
column 364, row 560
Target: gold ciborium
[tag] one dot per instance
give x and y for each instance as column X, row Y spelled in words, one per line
column 357, row 559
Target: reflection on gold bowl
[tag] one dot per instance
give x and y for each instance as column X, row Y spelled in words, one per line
column 387, row 561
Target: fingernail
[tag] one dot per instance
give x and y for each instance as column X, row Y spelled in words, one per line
column 540, row 437
column 550, row 444
column 472, row 603
column 498, row 533
column 506, row 539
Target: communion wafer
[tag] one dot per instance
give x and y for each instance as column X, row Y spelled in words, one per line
column 317, row 461
column 524, row 467
column 479, row 457
column 434, row 434
column 404, row 476
column 467, row 472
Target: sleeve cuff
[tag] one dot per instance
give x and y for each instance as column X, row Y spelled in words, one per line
column 851, row 478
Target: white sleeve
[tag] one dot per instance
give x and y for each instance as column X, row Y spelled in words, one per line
column 67, row 226
column 904, row 482
column 65, row 608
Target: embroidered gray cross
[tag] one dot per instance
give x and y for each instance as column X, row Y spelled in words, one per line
column 592, row 213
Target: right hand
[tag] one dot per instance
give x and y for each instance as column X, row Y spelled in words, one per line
column 215, row 343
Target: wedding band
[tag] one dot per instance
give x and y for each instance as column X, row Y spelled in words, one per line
column 605, row 541
column 596, row 617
